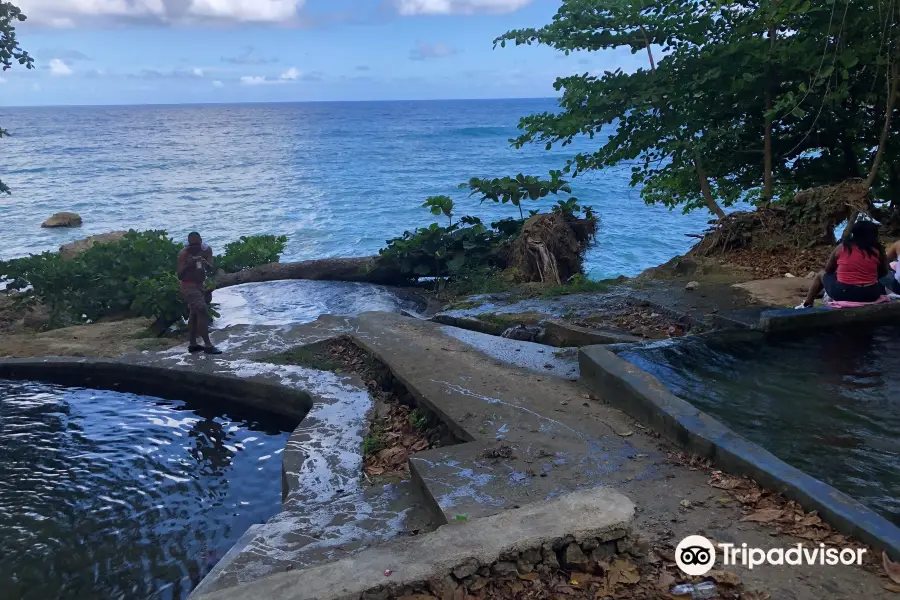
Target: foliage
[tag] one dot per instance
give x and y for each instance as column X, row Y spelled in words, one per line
column 440, row 205
column 815, row 75
column 10, row 51
column 576, row 284
column 372, row 444
column 515, row 189
column 99, row 282
column 436, row 251
column 135, row 275
column 251, row 251
column 418, row 419
column 159, row 298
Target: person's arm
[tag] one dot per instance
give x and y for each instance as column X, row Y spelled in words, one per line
column 208, row 255
column 183, row 264
column 884, row 266
column 831, row 263
column 892, row 251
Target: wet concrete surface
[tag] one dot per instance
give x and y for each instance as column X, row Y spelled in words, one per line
column 537, row 358
column 329, row 509
column 536, row 437
column 646, row 307
column 560, row 439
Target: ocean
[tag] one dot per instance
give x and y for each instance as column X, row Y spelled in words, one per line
column 338, row 178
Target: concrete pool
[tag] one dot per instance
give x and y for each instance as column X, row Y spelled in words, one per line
column 110, row 494
column 826, row 402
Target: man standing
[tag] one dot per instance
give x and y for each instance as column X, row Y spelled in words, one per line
column 193, row 261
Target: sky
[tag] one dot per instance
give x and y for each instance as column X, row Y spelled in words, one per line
column 100, row 52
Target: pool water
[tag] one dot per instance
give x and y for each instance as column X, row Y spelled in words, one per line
column 827, row 403
column 112, row 495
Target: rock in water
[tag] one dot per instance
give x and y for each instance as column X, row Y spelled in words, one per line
column 692, row 285
column 63, row 219
column 75, row 248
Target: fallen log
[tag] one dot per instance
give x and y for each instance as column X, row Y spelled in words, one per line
column 363, row 269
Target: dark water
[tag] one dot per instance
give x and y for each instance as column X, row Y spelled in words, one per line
column 828, row 403
column 111, row 495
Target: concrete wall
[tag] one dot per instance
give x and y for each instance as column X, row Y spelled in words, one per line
column 163, row 382
column 580, row 530
column 644, row 398
column 824, row 317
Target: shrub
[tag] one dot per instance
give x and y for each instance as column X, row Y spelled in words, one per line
column 251, row 251
column 135, row 275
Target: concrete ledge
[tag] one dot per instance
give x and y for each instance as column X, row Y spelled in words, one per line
column 471, row 323
column 564, row 335
column 644, row 398
column 600, row 513
column 163, row 382
column 823, row 317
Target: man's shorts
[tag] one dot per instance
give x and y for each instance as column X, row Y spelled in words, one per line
column 195, row 297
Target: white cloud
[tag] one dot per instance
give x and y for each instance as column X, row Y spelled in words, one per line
column 59, row 68
column 197, row 72
column 218, row 84
column 272, row 11
column 458, row 7
column 254, row 80
column 69, row 13
column 292, row 74
column 425, row 51
column 2, row 80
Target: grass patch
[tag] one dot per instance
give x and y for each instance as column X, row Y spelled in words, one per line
column 506, row 320
column 466, row 304
column 306, row 356
column 579, row 285
column 418, row 419
column 372, row 444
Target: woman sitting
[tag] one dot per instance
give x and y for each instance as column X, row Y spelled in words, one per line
column 852, row 271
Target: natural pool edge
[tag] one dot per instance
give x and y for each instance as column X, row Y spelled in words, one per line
column 221, row 391
column 163, row 382
column 643, row 397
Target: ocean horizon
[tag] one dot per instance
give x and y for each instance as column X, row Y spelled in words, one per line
column 338, row 178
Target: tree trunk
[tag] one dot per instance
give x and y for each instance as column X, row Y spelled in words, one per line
column 704, row 187
column 649, row 51
column 882, row 141
column 767, row 144
column 363, row 269
column 701, row 172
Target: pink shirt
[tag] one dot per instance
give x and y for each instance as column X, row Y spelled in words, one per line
column 857, row 267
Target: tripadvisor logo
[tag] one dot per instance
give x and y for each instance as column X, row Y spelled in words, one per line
column 695, row 555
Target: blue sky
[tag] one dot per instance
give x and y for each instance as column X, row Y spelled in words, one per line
column 189, row 51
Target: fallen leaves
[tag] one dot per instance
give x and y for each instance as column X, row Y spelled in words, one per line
column 766, row 507
column 398, row 436
column 891, row 569
column 766, row 515
column 725, row 577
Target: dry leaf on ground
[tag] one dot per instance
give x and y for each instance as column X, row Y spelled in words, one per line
column 725, row 577
column 766, row 515
column 666, row 581
column 892, row 569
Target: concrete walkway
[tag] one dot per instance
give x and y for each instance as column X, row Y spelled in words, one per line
column 537, row 437
column 528, row 437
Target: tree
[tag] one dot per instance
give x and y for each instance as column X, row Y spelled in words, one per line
column 748, row 99
column 10, row 51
